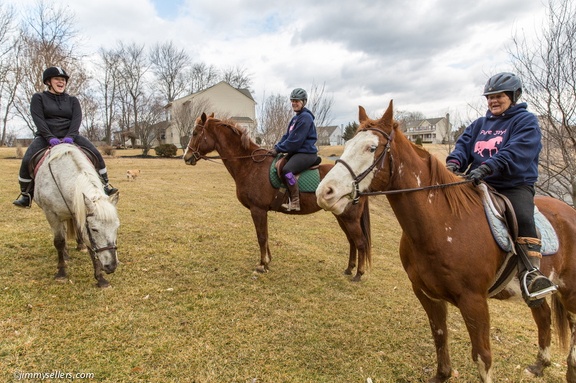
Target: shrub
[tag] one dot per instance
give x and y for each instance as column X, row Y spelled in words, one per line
column 108, row 150
column 166, row 150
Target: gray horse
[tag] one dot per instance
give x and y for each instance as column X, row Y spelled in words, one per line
column 69, row 191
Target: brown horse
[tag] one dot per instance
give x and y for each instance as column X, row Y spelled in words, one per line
column 249, row 165
column 447, row 248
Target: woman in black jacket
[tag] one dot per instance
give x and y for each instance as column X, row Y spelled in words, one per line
column 57, row 116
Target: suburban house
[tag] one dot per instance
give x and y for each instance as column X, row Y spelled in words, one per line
column 222, row 99
column 329, row 136
column 429, row 131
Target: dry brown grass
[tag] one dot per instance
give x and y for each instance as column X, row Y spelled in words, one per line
column 185, row 305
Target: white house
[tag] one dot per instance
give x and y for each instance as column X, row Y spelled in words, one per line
column 222, row 99
column 430, row 130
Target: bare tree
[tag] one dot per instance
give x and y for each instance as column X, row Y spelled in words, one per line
column 91, row 122
column 151, row 114
column 169, row 65
column 274, row 117
column 133, row 67
column 49, row 39
column 202, row 76
column 8, row 52
column 237, row 77
column 108, row 88
column 184, row 117
column 547, row 67
column 320, row 105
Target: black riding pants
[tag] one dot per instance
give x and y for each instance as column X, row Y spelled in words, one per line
column 298, row 162
column 39, row 143
column 522, row 200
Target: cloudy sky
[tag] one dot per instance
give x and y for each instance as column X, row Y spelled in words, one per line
column 430, row 56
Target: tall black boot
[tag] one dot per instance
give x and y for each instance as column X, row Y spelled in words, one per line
column 534, row 285
column 292, row 185
column 108, row 189
column 26, row 194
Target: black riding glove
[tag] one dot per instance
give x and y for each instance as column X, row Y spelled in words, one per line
column 479, row 173
column 453, row 167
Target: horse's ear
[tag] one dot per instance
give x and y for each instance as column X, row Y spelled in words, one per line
column 211, row 115
column 203, row 118
column 90, row 205
column 114, row 198
column 362, row 116
column 388, row 114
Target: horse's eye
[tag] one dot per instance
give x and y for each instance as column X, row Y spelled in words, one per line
column 373, row 148
column 94, row 230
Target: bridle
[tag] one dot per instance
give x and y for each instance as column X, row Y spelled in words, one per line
column 378, row 164
column 197, row 156
column 93, row 249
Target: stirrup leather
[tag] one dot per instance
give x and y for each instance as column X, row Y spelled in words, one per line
column 540, row 293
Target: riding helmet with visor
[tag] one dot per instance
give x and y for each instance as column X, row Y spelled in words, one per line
column 53, row 71
column 505, row 82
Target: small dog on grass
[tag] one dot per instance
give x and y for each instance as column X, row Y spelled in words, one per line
column 132, row 174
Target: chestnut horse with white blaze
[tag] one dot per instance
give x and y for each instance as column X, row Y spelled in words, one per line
column 447, row 247
column 249, row 165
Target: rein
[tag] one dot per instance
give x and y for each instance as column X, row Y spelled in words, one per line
column 252, row 155
column 93, row 249
column 378, row 164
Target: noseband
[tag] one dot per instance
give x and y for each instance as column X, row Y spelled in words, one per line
column 93, row 247
column 377, row 164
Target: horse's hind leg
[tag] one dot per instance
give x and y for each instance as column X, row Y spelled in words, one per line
column 542, row 317
column 60, row 245
column 260, row 219
column 437, row 312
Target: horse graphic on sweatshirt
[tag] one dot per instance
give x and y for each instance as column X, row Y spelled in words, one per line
column 489, row 145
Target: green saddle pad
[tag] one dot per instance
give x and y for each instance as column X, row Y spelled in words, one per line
column 308, row 180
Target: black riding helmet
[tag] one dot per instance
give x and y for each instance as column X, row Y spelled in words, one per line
column 53, row 71
column 504, row 82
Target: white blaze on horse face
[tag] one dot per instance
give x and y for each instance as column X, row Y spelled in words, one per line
column 335, row 190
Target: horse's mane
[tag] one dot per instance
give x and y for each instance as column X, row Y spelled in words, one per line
column 245, row 138
column 87, row 184
column 460, row 198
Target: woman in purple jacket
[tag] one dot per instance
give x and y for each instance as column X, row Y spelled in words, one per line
column 57, row 117
column 299, row 144
column 502, row 149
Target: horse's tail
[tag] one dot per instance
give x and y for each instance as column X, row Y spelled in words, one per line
column 71, row 229
column 365, row 225
column 560, row 321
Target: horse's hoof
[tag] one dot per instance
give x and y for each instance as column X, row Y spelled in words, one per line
column 347, row 272
column 103, row 284
column 261, row 269
column 357, row 278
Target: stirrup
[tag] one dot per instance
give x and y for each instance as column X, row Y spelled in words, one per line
column 20, row 203
column 110, row 190
column 540, row 293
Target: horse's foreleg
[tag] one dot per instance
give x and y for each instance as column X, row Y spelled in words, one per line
column 437, row 312
column 352, row 249
column 260, row 219
column 98, row 272
column 474, row 310
column 542, row 317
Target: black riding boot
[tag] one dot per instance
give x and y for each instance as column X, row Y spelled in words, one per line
column 534, row 285
column 292, row 185
column 108, row 189
column 26, row 194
